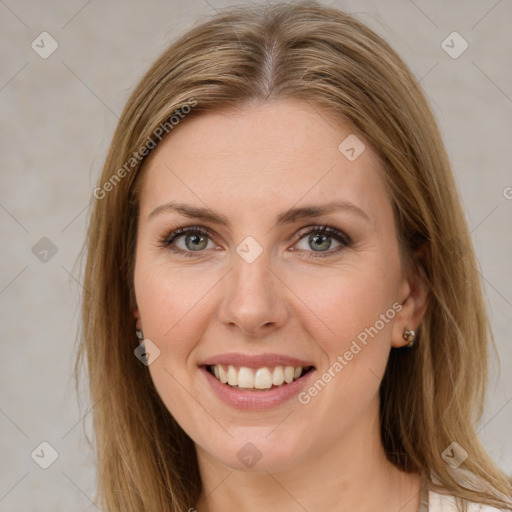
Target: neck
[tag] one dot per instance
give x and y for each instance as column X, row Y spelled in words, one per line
column 354, row 474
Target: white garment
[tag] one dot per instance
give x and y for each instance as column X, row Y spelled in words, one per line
column 443, row 503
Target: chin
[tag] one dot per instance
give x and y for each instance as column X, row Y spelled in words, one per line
column 257, row 452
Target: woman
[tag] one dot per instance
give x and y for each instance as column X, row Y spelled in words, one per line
column 283, row 310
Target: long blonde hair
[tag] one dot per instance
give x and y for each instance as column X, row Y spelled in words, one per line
column 431, row 395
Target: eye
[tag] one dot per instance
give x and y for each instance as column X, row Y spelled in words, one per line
column 193, row 240
column 320, row 237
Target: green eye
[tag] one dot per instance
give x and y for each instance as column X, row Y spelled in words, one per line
column 195, row 240
column 321, row 238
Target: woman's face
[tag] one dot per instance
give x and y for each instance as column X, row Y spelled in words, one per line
column 300, row 322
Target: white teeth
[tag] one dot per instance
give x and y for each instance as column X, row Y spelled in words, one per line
column 261, row 378
column 223, row 376
column 288, row 374
column 245, row 378
column 232, row 376
column 278, row 376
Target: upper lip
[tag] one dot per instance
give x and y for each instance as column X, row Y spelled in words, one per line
column 255, row 361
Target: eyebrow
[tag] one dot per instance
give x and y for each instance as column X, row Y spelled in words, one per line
column 287, row 217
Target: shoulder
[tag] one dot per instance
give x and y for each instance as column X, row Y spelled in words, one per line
column 445, row 503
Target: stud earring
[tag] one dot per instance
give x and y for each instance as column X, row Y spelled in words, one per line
column 139, row 334
column 409, row 336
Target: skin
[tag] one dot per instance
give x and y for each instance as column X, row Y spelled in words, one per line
column 251, row 166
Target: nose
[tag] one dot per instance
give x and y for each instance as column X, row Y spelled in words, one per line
column 255, row 298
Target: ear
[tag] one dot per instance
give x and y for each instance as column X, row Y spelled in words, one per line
column 136, row 315
column 412, row 295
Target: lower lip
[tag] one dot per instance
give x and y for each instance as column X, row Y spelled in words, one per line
column 256, row 399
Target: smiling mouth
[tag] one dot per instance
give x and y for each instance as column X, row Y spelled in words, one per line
column 258, row 379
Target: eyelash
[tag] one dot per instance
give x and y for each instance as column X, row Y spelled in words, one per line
column 169, row 239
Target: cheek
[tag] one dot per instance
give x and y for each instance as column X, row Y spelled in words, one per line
column 351, row 323
column 345, row 302
column 170, row 305
column 169, row 297
column 175, row 304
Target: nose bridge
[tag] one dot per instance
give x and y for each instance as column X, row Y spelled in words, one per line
column 252, row 270
column 253, row 299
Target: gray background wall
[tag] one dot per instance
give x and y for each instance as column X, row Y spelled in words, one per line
column 58, row 115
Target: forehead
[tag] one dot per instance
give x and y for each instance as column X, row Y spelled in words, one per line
column 264, row 158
